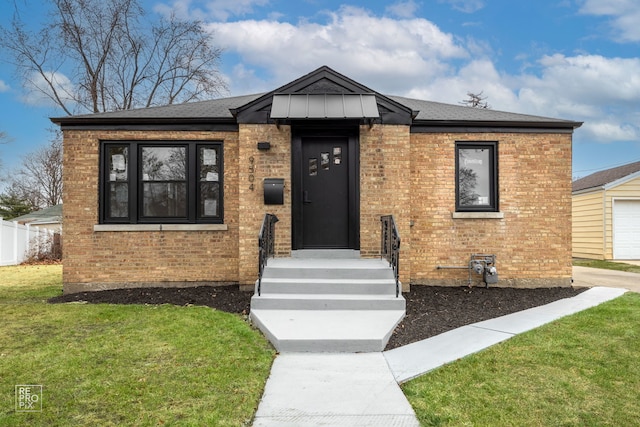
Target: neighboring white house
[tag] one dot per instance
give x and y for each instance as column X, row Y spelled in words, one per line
column 27, row 235
column 49, row 218
column 606, row 214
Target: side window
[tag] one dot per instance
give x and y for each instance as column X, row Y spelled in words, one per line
column 476, row 177
column 163, row 181
column 117, row 182
column 209, row 174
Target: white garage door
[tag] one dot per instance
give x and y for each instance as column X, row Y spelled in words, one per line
column 626, row 229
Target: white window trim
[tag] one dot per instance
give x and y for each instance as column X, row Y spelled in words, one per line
column 477, row 215
column 159, row 227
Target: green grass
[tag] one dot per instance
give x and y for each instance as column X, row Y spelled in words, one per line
column 608, row 265
column 113, row 365
column 583, row 370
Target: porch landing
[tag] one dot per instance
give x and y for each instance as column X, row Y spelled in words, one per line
column 327, row 301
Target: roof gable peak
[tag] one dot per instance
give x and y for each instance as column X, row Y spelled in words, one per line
column 322, row 81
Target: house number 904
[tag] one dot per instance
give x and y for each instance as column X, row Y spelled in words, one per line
column 252, row 170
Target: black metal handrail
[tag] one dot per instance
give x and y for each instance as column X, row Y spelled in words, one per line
column 266, row 244
column 390, row 246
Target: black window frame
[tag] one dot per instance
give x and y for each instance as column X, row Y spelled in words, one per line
column 135, row 182
column 493, row 205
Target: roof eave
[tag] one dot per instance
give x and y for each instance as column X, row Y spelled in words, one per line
column 620, row 181
column 587, row 190
column 114, row 121
column 499, row 124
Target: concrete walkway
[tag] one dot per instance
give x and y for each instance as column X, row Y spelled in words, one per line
column 415, row 359
column 333, row 389
column 588, row 277
column 306, row 389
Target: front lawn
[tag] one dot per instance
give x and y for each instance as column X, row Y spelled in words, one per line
column 583, row 370
column 113, row 365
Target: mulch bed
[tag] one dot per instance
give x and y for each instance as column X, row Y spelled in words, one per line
column 223, row 298
column 430, row 310
column 434, row 310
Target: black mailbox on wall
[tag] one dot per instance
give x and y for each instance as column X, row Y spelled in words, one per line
column 274, row 191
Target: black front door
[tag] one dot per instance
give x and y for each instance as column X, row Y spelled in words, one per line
column 324, row 194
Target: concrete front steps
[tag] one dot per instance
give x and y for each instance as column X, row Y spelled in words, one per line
column 327, row 301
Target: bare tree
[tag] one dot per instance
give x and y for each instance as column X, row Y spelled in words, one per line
column 101, row 55
column 38, row 181
column 476, row 100
column 4, row 139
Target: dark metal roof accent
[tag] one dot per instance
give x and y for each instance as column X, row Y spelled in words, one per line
column 322, row 81
column 602, row 178
column 325, row 106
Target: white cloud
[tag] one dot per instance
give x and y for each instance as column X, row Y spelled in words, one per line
column 4, row 87
column 384, row 52
column 413, row 57
column 466, row 6
column 606, row 7
column 403, row 9
column 223, row 9
column 611, row 130
column 602, row 92
column 209, row 9
column 476, row 76
column 625, row 15
column 594, row 78
column 181, row 8
column 37, row 88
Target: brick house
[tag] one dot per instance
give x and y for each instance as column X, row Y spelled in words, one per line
column 176, row 195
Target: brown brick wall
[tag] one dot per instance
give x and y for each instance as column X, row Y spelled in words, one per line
column 273, row 163
column 411, row 176
column 533, row 241
column 98, row 260
column 385, row 172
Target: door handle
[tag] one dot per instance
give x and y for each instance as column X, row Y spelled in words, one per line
column 305, row 197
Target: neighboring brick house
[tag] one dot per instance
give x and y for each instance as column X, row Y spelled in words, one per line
column 173, row 196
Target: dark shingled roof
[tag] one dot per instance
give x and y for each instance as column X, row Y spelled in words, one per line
column 602, row 178
column 437, row 111
column 256, row 108
column 217, row 110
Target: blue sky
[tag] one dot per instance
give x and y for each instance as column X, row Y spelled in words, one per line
column 571, row 59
